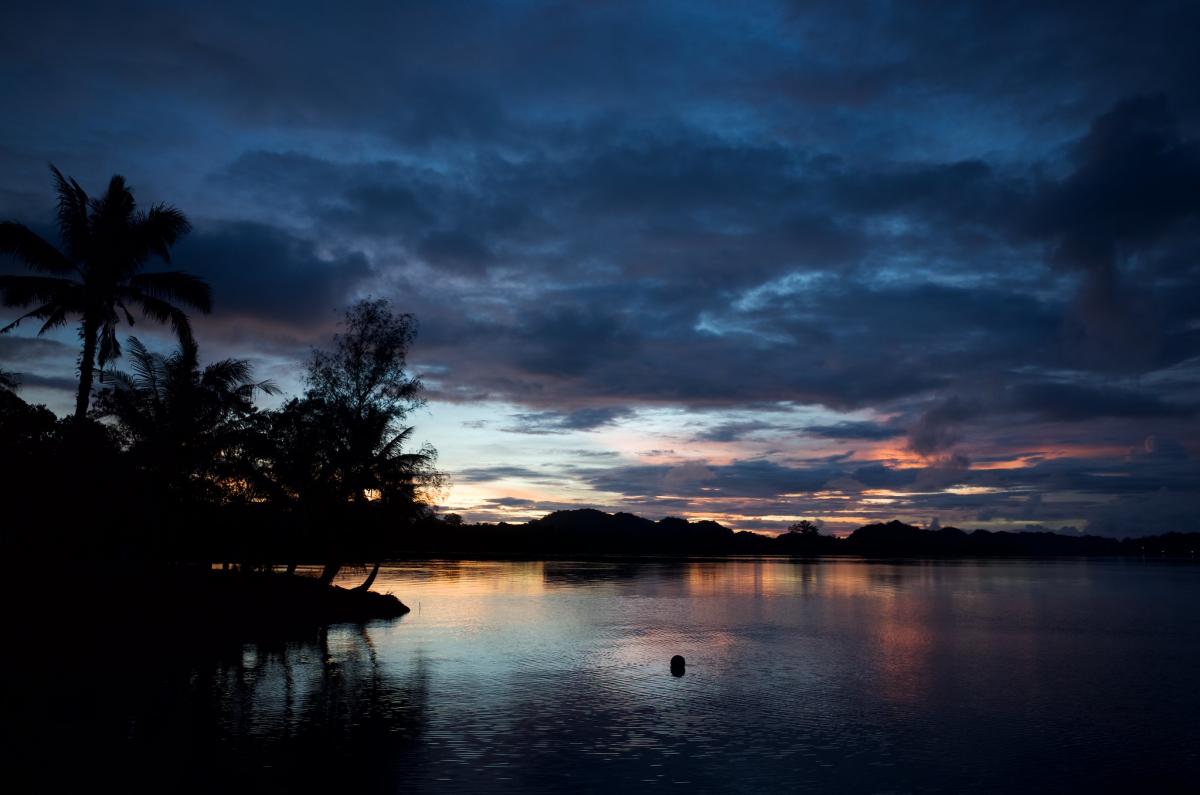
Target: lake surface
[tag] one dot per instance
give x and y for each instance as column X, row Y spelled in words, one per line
column 834, row 675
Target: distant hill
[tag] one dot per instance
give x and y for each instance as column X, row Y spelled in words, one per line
column 589, row 531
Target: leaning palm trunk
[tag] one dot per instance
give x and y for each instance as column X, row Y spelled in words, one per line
column 366, row 586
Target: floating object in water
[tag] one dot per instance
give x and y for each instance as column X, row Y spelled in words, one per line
column 678, row 664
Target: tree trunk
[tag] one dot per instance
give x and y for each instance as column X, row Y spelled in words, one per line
column 87, row 361
column 330, row 572
column 366, row 586
column 291, row 569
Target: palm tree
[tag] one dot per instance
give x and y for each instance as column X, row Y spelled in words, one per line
column 186, row 425
column 339, row 450
column 96, row 276
column 346, row 466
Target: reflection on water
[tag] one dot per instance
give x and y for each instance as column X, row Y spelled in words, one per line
column 951, row 676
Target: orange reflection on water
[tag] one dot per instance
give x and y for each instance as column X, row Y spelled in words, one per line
column 887, row 602
column 786, row 577
column 902, row 652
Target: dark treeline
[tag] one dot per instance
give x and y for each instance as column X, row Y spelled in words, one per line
column 173, row 462
column 595, row 532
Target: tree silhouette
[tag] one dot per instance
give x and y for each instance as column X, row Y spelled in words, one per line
column 339, row 451
column 805, row 528
column 96, row 276
column 185, row 426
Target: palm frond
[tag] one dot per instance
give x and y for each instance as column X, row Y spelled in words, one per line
column 119, row 379
column 32, row 249
column 110, row 346
column 115, row 207
column 268, row 387
column 43, row 312
column 175, row 286
column 163, row 312
column 56, row 317
column 148, row 367
column 227, row 374
column 187, row 357
column 125, row 310
column 160, row 228
column 412, row 462
column 396, row 442
column 73, row 224
column 24, row 290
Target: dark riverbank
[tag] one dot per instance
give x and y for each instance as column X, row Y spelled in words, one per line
column 114, row 668
column 198, row 601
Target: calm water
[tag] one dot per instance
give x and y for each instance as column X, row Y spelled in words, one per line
column 866, row 677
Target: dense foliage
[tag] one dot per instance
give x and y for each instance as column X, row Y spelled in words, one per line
column 174, row 461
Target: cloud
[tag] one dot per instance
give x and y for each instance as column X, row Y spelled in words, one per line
column 940, row 427
column 1073, row 402
column 734, row 431
column 268, row 273
column 57, row 382
column 511, row 502
column 1135, row 178
column 484, row 474
column 548, row 422
column 856, row 429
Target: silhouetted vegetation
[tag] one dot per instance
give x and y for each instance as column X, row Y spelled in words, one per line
column 97, row 275
column 184, row 468
column 174, row 463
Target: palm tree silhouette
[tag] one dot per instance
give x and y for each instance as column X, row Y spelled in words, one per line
column 337, row 454
column 96, row 276
column 185, row 425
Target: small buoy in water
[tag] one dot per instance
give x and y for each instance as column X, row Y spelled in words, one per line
column 677, row 665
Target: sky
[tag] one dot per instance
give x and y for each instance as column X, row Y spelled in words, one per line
column 754, row 262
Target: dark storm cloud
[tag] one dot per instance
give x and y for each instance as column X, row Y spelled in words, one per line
column 594, row 333
column 1073, row 402
column 455, row 250
column 758, row 478
column 371, row 197
column 609, row 343
column 268, row 273
column 1135, row 178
